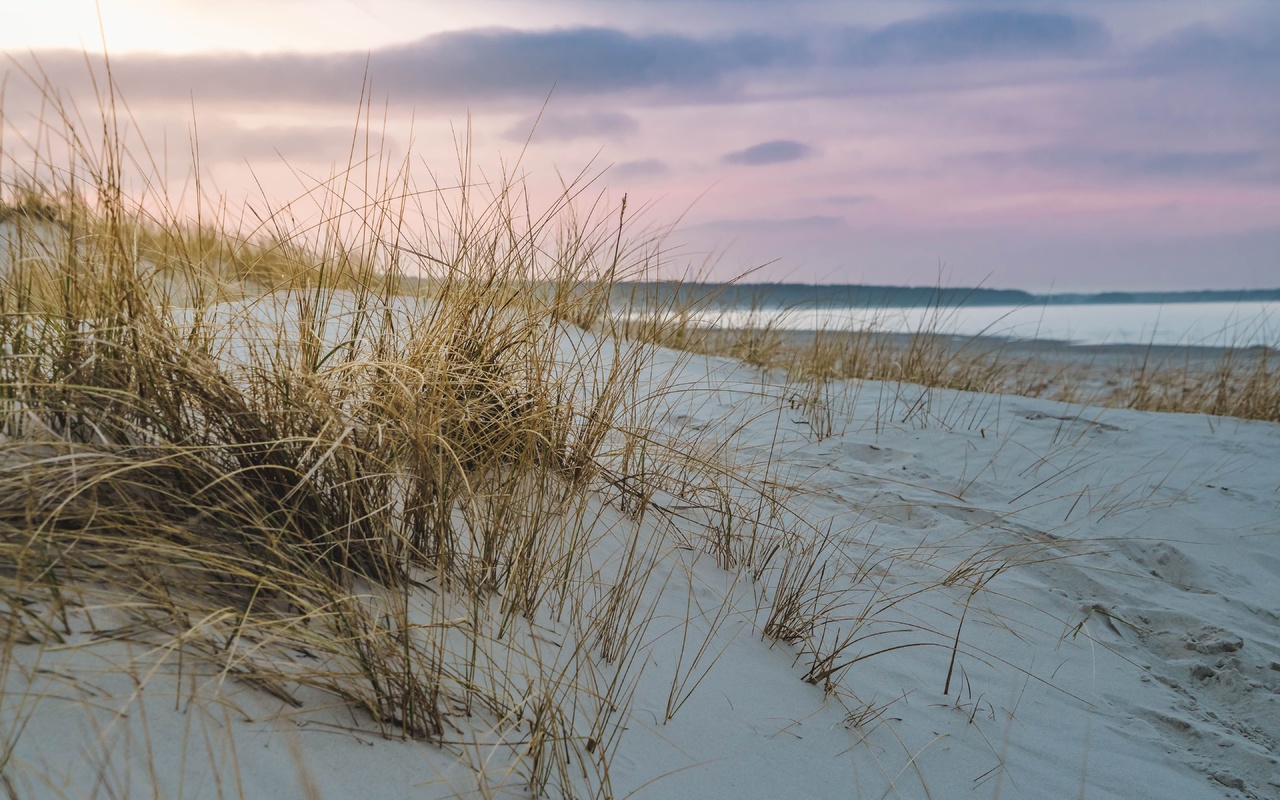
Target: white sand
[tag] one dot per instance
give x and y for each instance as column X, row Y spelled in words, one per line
column 1123, row 641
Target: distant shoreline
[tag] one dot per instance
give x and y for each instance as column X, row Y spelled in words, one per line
column 1062, row 350
column 807, row 295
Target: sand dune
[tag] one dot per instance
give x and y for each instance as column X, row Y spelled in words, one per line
column 1020, row 599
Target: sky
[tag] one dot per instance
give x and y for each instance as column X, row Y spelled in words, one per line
column 1048, row 145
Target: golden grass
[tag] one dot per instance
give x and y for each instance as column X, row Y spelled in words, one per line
column 264, row 444
column 1236, row 382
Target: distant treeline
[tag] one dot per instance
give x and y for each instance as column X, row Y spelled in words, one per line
column 802, row 295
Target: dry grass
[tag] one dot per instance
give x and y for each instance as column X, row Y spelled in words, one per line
column 271, row 452
column 1236, row 382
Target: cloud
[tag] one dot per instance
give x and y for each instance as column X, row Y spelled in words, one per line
column 776, row 151
column 641, row 168
column 290, row 143
column 489, row 65
column 470, row 65
column 1199, row 48
column 1157, row 164
column 975, row 35
column 569, row 126
column 578, row 60
column 1233, row 165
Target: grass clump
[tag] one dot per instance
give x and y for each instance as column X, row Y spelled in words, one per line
column 1225, row 380
column 322, row 457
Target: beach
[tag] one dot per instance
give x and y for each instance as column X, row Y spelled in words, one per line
column 969, row 595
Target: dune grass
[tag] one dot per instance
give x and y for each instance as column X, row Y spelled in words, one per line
column 1235, row 382
column 323, row 456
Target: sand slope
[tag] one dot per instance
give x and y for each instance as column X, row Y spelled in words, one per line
column 1113, row 576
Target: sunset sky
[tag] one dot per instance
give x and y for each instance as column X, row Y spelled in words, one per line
column 1042, row 144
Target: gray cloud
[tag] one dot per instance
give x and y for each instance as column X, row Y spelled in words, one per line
column 285, row 142
column 975, row 35
column 1234, row 165
column 1161, row 164
column 569, row 126
column 1217, row 75
column 481, row 65
column 641, row 168
column 776, row 151
column 471, row 65
column 1200, row 48
column 581, row 60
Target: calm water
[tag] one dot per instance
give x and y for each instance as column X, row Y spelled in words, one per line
column 1200, row 324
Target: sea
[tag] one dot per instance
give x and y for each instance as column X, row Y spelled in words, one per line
column 1165, row 320
column 1219, row 325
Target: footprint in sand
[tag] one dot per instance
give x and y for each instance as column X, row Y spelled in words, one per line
column 1168, row 563
column 1209, row 639
column 907, row 515
column 1223, row 697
